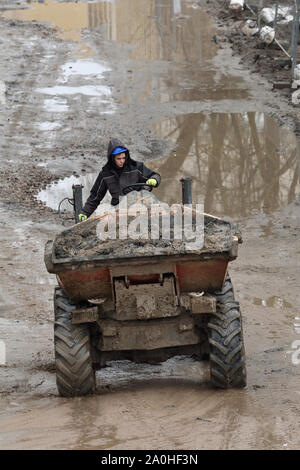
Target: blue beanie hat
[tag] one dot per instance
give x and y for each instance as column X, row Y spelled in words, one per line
column 118, row 150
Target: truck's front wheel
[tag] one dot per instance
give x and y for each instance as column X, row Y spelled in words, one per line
column 75, row 375
column 227, row 353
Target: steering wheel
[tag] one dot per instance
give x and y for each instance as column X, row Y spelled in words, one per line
column 130, row 187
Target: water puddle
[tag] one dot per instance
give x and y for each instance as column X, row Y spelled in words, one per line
column 177, row 35
column 68, row 17
column 62, row 188
column 124, row 373
column 273, row 301
column 239, row 163
column 71, row 76
column 88, row 90
column 84, row 51
column 48, row 126
column 2, row 93
column 56, row 105
column 84, row 68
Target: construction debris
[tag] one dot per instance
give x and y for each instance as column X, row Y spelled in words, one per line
column 267, row 34
column 87, row 240
column 236, row 6
column 250, row 28
column 267, row 15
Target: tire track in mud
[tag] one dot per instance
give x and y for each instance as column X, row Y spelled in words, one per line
column 40, row 55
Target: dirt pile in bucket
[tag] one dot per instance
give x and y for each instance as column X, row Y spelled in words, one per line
column 145, row 227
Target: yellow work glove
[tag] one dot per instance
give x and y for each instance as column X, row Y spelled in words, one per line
column 82, row 217
column 151, row 182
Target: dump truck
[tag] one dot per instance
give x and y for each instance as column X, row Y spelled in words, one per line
column 144, row 300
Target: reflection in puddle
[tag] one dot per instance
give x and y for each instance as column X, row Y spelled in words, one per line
column 2, row 93
column 88, row 90
column 101, row 96
column 273, row 301
column 68, row 17
column 48, row 126
column 84, row 68
column 56, row 105
column 238, row 162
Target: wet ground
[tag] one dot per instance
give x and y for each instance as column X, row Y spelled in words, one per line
column 149, row 72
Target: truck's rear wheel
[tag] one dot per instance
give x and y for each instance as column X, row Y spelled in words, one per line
column 75, row 375
column 227, row 353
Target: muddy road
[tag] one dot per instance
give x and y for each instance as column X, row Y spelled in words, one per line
column 72, row 75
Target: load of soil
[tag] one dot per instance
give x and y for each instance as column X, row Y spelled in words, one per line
column 84, row 240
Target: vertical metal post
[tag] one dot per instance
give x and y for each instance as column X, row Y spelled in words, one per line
column 295, row 36
column 77, row 198
column 276, row 16
column 186, row 190
column 260, row 7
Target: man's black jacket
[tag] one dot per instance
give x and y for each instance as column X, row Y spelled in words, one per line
column 114, row 180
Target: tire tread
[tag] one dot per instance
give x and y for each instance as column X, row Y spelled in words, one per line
column 227, row 355
column 75, row 375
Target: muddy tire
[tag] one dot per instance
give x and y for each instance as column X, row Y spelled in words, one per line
column 75, row 375
column 227, row 353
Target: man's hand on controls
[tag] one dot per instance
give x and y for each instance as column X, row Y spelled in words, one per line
column 82, row 217
column 151, row 182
